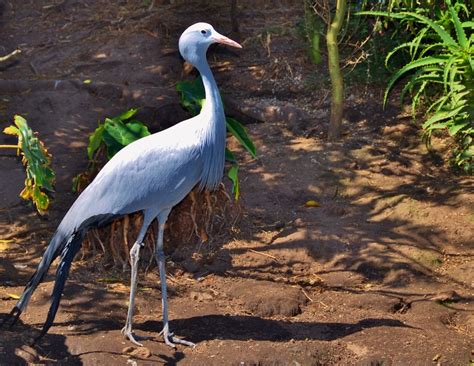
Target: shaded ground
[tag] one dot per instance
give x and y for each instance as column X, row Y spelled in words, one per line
column 380, row 273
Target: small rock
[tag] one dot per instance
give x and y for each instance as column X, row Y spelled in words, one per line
column 141, row 352
column 447, row 296
column 128, row 349
column 200, row 296
column 265, row 298
column 28, row 354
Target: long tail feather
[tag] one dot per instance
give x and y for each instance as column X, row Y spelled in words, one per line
column 62, row 273
column 54, row 249
column 65, row 242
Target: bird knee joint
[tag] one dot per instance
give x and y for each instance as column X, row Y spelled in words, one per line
column 134, row 252
column 160, row 255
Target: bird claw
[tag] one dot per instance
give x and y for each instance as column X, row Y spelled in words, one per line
column 128, row 334
column 172, row 341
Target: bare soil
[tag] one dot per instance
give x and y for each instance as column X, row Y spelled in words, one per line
column 379, row 271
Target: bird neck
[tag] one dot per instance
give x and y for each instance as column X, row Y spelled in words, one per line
column 213, row 131
column 213, row 103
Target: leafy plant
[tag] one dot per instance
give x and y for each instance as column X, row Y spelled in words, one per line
column 40, row 176
column 110, row 137
column 440, row 75
column 192, row 96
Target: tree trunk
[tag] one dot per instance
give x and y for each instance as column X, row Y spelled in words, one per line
column 313, row 27
column 337, row 98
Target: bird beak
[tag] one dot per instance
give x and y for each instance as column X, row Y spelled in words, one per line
column 219, row 38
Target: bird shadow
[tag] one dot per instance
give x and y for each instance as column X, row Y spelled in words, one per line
column 16, row 347
column 242, row 327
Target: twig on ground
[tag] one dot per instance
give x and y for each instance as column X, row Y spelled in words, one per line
column 307, row 296
column 11, row 54
column 264, row 254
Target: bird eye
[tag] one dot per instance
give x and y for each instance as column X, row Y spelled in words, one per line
column 203, row 32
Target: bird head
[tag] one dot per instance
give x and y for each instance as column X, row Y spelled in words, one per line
column 197, row 38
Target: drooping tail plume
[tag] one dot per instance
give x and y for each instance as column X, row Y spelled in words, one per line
column 68, row 253
column 54, row 248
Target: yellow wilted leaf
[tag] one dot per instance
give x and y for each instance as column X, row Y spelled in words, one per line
column 26, row 193
column 88, row 81
column 11, row 130
column 13, row 296
column 118, row 287
column 312, row 203
column 5, row 245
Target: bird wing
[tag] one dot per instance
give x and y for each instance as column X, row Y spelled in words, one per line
column 155, row 172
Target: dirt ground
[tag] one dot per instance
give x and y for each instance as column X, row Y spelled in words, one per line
column 379, row 272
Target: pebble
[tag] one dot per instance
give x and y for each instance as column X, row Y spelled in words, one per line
column 141, row 352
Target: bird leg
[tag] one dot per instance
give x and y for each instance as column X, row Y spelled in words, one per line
column 170, row 340
column 134, row 257
column 127, row 329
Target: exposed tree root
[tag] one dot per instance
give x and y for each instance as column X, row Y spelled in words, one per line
column 199, row 218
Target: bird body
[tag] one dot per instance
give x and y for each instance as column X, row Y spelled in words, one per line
column 150, row 175
column 153, row 172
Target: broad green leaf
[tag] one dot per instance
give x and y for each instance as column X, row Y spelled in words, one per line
column 240, row 133
column 233, row 176
column 95, row 139
column 125, row 134
column 138, row 129
column 229, row 156
column 113, row 145
column 192, row 94
column 126, row 115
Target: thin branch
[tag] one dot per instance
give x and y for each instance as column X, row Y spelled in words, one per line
column 4, row 58
column 264, row 254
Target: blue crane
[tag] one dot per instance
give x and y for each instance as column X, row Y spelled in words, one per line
column 151, row 175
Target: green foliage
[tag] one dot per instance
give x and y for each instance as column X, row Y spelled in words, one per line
column 240, row 133
column 440, row 75
column 192, row 97
column 40, row 176
column 233, row 176
column 110, row 137
column 116, row 133
column 312, row 30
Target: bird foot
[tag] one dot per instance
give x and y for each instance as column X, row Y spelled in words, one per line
column 128, row 334
column 172, row 341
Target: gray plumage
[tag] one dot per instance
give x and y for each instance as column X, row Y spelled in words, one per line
column 150, row 175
